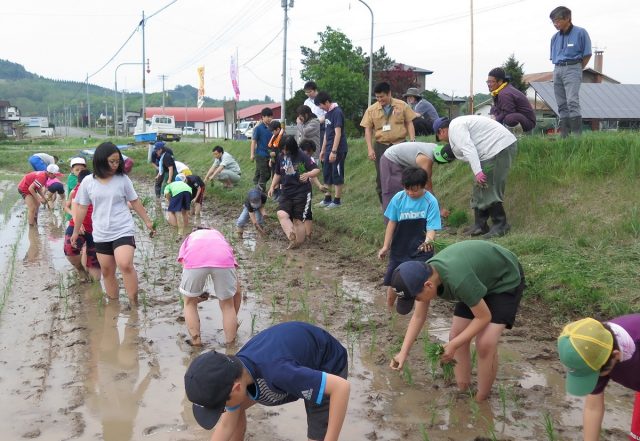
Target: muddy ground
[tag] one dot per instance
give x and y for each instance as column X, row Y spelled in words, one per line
column 73, row 366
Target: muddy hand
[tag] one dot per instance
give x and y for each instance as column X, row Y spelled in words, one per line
column 397, row 362
column 426, row 246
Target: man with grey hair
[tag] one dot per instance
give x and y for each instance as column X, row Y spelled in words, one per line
column 570, row 53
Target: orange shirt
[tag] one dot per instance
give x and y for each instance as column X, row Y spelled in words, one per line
column 375, row 119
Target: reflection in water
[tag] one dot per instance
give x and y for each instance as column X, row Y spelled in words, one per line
column 116, row 393
column 33, row 252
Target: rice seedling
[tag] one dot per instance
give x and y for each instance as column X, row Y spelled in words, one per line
column 287, row 302
column 502, row 393
column 254, row 318
column 491, row 429
column 10, row 274
column 274, row 304
column 474, row 406
column 304, row 303
column 181, row 300
column 325, row 313
column 549, row 428
column 433, row 352
column 374, row 337
column 406, row 374
column 423, row 433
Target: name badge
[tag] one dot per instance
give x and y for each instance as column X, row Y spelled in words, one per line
column 386, row 127
column 569, row 44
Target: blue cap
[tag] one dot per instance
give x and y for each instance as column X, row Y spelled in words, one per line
column 437, row 124
column 159, row 145
column 408, row 280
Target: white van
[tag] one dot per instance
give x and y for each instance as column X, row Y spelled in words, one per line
column 246, row 128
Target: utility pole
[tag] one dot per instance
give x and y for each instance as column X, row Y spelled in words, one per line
column 370, row 56
column 144, row 103
column 124, row 117
column 471, row 73
column 163, row 77
column 286, row 4
column 88, row 106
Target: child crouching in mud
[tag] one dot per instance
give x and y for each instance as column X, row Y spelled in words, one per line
column 206, row 253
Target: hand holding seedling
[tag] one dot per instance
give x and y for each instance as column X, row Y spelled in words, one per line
column 426, row 246
column 448, row 353
column 383, row 252
column 397, row 362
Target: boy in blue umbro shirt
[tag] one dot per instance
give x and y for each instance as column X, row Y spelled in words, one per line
column 281, row 364
column 413, row 217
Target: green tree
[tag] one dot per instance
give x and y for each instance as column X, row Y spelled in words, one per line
column 514, row 70
column 292, row 105
column 337, row 67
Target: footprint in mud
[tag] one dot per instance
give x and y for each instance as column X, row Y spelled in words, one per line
column 164, row 428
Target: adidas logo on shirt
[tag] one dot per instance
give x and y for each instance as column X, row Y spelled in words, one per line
column 307, row 394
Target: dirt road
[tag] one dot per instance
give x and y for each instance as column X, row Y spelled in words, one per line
column 75, row 367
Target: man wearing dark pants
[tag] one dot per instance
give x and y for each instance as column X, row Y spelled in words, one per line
column 390, row 120
column 490, row 149
column 570, row 53
column 260, row 150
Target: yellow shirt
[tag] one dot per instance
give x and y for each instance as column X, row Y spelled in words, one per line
column 375, row 119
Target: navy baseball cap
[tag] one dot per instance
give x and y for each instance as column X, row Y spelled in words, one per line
column 255, row 198
column 208, row 383
column 408, row 280
column 159, row 145
column 437, row 124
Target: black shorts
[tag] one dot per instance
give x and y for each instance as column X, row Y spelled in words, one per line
column 503, row 306
column 297, row 208
column 109, row 247
column 318, row 414
column 395, row 262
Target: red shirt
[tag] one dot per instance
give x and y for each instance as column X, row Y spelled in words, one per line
column 40, row 178
column 86, row 223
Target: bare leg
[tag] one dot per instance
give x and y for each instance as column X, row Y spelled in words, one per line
column 192, row 319
column 462, row 356
column 108, row 268
column 124, row 260
column 229, row 319
column 308, row 228
column 338, row 190
column 32, row 207
column 287, row 225
column 391, row 298
column 185, row 221
column 487, row 347
column 172, row 219
column 76, row 261
column 299, row 229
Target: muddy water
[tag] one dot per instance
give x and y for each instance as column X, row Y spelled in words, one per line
column 75, row 366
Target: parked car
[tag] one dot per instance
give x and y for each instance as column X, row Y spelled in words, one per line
column 189, row 131
column 245, row 128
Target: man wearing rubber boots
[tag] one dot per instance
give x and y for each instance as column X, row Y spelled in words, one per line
column 489, row 148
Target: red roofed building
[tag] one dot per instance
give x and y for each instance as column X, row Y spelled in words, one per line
column 187, row 116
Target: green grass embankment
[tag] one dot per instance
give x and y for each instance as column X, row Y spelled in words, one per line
column 574, row 208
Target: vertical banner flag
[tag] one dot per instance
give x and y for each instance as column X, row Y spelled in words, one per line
column 200, row 86
column 234, row 77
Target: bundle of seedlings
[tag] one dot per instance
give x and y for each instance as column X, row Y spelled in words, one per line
column 433, row 352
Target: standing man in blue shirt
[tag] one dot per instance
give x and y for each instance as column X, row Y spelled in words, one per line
column 280, row 365
column 570, row 53
column 260, row 150
column 334, row 150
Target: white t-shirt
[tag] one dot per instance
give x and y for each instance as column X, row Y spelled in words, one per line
column 181, row 166
column 475, row 138
column 47, row 159
column 111, row 216
column 317, row 111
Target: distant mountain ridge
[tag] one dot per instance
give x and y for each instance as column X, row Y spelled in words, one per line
column 37, row 95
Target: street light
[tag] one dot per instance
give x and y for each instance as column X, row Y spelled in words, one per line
column 286, row 4
column 370, row 55
column 115, row 96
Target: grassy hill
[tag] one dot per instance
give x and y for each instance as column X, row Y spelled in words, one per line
column 36, row 95
column 573, row 204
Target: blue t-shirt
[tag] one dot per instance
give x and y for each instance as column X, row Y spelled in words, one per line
column 413, row 217
column 262, row 135
column 335, row 118
column 290, row 361
column 572, row 45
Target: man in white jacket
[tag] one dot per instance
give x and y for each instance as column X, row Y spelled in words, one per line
column 489, row 148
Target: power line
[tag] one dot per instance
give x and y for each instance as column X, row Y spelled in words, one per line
column 265, row 46
column 116, row 54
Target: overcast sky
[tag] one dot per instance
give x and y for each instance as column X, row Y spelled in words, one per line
column 69, row 39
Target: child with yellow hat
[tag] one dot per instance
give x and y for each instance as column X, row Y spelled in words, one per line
column 595, row 352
